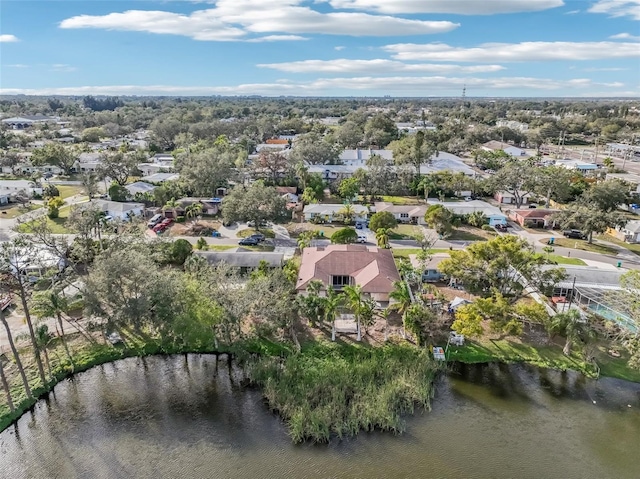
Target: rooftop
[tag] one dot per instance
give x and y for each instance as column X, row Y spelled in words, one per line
column 370, row 267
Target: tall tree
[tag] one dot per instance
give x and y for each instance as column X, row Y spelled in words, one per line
column 380, row 130
column 415, row 150
column 504, row 264
column 206, row 171
column 516, row 178
column 589, row 219
column 55, row 154
column 16, row 355
column 355, row 300
column 441, row 219
column 118, row 166
column 15, row 256
column 50, row 304
column 572, row 327
column 271, row 166
column 258, row 203
column 313, row 149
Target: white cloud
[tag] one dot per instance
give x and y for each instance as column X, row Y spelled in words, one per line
column 339, row 48
column 17, row 65
column 62, row 67
column 347, row 85
column 572, row 12
column 371, row 67
column 278, row 38
column 515, row 52
column 458, row 7
column 605, row 69
column 617, row 8
column 235, row 19
column 6, row 38
column 625, row 36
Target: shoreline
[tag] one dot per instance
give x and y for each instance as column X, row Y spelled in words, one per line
column 111, row 354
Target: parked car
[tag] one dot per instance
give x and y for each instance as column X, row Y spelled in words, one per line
column 500, row 227
column 159, row 228
column 362, row 239
column 167, row 222
column 576, row 234
column 258, row 236
column 359, row 226
column 155, row 219
column 248, row 241
column 533, row 205
column 252, row 224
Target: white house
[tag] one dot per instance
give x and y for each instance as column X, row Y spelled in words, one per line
column 139, row 187
column 148, row 169
column 115, row 209
column 4, row 197
column 359, row 157
column 160, row 177
column 413, row 214
column 629, row 232
column 329, row 213
column 630, row 178
column 12, row 187
column 576, row 165
column 506, row 198
column 493, row 214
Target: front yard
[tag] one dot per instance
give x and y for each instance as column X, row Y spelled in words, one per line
column 57, row 225
column 581, row 245
column 13, row 210
column 633, row 247
column 469, row 233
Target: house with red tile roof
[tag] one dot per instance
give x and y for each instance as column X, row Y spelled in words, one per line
column 370, row 267
column 533, row 217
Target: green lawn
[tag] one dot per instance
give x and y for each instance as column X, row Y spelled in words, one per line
column 469, row 233
column 403, row 231
column 633, row 247
column 547, row 356
column 267, row 232
column 220, row 247
column 405, row 252
column 67, row 191
column 57, row 225
column 484, row 350
column 581, row 245
column 402, row 200
column 12, row 211
column 565, row 260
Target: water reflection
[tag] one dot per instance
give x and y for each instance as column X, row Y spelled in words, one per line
column 191, row 416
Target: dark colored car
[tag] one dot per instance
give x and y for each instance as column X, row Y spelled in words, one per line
column 575, row 234
column 360, row 226
column 248, row 241
column 258, row 236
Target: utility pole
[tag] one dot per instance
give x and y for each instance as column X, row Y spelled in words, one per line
column 595, row 158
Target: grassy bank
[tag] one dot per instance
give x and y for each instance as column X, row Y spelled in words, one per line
column 549, row 356
column 337, row 390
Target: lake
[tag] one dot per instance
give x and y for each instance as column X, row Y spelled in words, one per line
column 192, row 417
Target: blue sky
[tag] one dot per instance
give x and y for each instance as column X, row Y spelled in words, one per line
column 498, row 48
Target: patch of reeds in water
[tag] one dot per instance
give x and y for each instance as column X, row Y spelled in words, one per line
column 337, row 390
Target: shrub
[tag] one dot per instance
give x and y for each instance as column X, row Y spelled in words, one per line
column 180, row 250
column 202, row 244
column 179, row 219
column 382, row 219
column 344, row 236
column 487, row 228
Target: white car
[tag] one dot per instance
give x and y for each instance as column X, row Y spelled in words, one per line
column 362, row 239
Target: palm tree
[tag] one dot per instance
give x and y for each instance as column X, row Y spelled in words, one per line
column 402, row 297
column 193, row 211
column 43, row 338
column 347, row 212
column 171, row 205
column 13, row 260
column 384, row 314
column 354, row 300
column 332, row 303
column 16, row 355
column 427, row 184
column 382, row 237
column 5, row 386
column 477, row 219
column 49, row 304
column 572, row 327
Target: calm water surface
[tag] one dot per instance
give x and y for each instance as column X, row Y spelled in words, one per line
column 189, row 417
